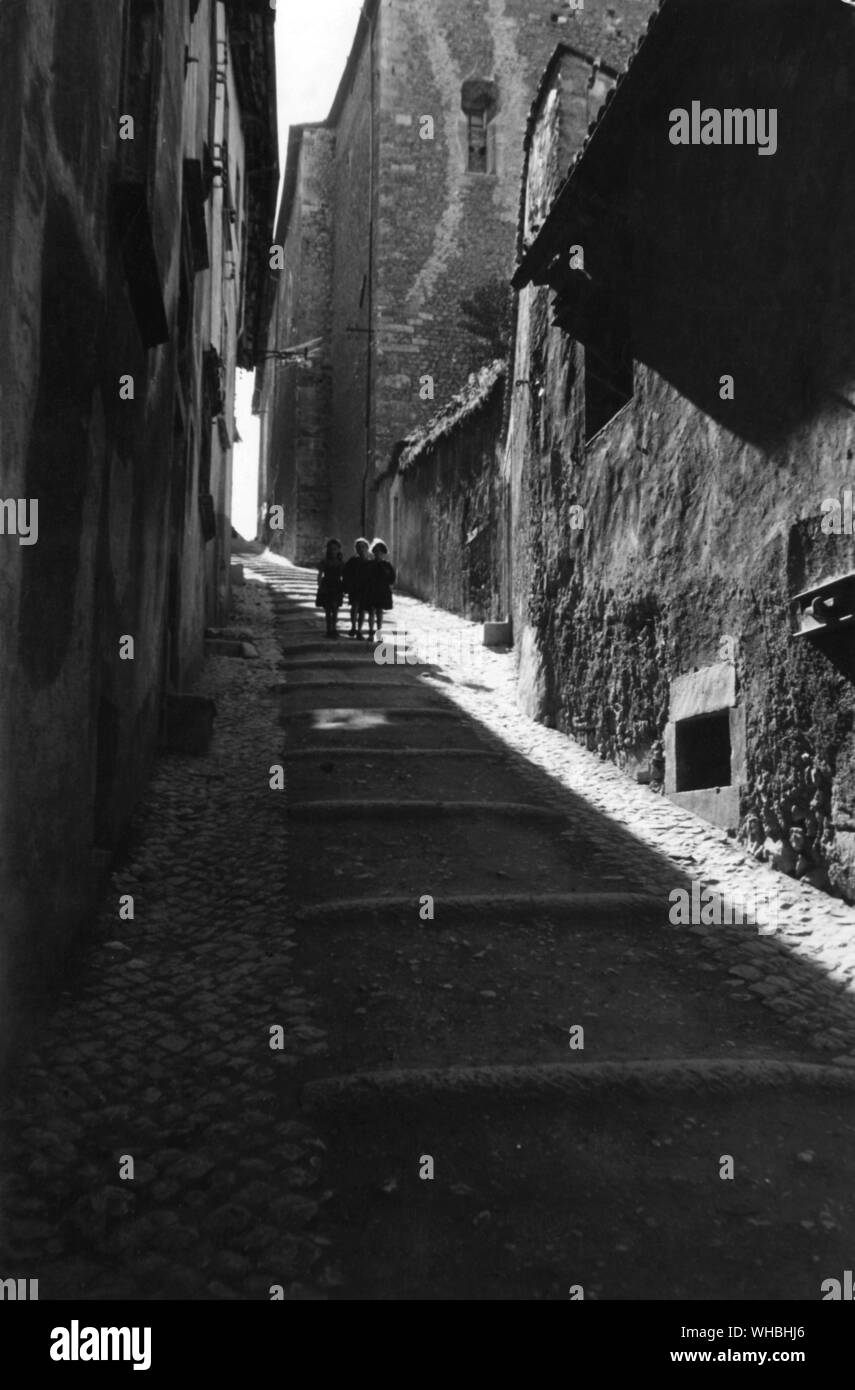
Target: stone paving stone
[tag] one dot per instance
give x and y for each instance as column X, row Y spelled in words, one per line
column 764, row 988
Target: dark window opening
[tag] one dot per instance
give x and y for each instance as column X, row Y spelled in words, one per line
column 479, row 100
column 477, row 142
column 702, row 752
column 608, row 383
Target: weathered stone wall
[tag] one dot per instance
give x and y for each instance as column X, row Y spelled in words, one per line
column 277, row 484
column 444, row 516
column 702, row 514
column 193, row 577
column 78, row 724
column 119, row 551
column 229, row 214
column 353, row 218
column 300, row 404
column 568, row 100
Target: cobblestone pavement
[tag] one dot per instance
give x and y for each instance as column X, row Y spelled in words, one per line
column 159, row 1048
column 291, row 1158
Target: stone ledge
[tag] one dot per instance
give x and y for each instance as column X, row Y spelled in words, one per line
column 562, row 1082
column 581, row 907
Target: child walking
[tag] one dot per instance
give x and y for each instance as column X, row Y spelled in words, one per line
column 382, row 581
column 330, row 593
column 356, row 575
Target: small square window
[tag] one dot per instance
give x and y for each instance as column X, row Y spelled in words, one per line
column 702, row 752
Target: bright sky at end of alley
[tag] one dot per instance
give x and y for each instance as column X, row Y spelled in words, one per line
column 313, row 39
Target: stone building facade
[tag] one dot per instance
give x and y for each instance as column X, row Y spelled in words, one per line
column 138, row 163
column 293, row 394
column 688, row 383
column 428, row 125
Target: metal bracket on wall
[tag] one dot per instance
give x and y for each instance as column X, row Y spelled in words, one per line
column 299, row 351
column 826, row 610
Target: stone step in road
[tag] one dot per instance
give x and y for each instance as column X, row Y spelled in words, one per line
column 602, row 1182
column 385, row 726
column 473, row 775
column 316, row 656
column 437, row 854
column 368, row 809
column 496, row 984
column 377, row 694
column 399, row 755
column 495, row 909
column 345, row 676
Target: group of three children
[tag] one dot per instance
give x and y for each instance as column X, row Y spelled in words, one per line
column 366, row 580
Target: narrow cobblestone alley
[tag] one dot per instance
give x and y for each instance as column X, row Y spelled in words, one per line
column 418, row 1026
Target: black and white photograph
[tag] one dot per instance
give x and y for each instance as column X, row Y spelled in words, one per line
column 427, row 665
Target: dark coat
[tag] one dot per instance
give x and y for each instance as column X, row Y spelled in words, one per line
column 330, row 585
column 381, row 583
column 356, row 578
